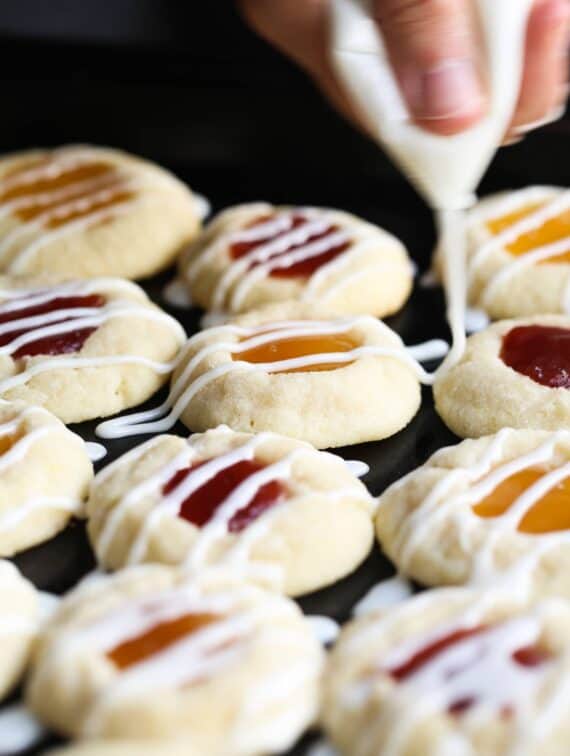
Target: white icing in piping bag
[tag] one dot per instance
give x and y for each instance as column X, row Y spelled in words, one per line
column 445, row 169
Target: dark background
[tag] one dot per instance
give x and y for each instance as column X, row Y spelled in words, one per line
column 186, row 84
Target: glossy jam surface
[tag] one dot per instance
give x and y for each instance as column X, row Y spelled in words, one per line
column 157, row 639
column 300, row 346
column 301, row 268
column 202, row 504
column 63, row 343
column 552, row 230
column 528, row 656
column 549, row 514
column 542, row 353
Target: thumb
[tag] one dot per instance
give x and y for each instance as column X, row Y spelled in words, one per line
column 433, row 51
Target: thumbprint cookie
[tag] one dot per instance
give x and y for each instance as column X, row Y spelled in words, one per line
column 149, row 653
column 255, row 254
column 257, row 503
column 45, row 473
column 19, row 624
column 84, row 211
column 516, row 373
column 83, row 348
column 519, row 253
column 327, row 381
column 452, row 672
column 487, row 511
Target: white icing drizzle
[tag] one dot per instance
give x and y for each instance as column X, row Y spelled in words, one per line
column 326, row 629
column 95, row 451
column 49, row 603
column 185, row 387
column 12, row 517
column 274, row 237
column 203, row 205
column 322, row 748
column 205, row 652
column 81, row 195
column 176, row 294
column 19, row 730
column 480, row 480
column 476, row 320
column 479, row 668
column 554, row 205
column 383, row 595
column 215, row 530
column 74, row 319
column 357, row 467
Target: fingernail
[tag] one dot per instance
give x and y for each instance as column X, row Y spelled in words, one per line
column 554, row 115
column 450, row 89
column 511, row 140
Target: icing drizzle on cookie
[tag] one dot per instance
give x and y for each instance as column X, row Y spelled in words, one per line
column 57, row 320
column 489, row 500
column 67, row 190
column 527, row 213
column 191, row 632
column 298, row 242
column 464, row 666
column 15, row 444
column 237, row 341
column 249, row 505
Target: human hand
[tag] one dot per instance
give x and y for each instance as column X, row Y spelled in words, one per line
column 434, row 52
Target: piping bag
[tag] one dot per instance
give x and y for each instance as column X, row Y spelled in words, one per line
column 444, row 169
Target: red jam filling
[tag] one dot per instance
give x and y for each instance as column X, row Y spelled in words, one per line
column 301, row 268
column 528, row 656
column 63, row 343
column 136, row 650
column 202, row 504
column 542, row 353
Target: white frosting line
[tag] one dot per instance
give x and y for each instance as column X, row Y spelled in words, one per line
column 273, row 238
column 95, row 451
column 176, row 294
column 357, row 467
column 19, row 730
column 383, row 595
column 326, row 629
column 183, row 390
column 555, row 204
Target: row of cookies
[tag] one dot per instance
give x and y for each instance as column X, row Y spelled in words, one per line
column 473, row 669
column 480, row 666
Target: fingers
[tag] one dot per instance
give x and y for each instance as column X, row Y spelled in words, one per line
column 433, row 51
column 544, row 85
